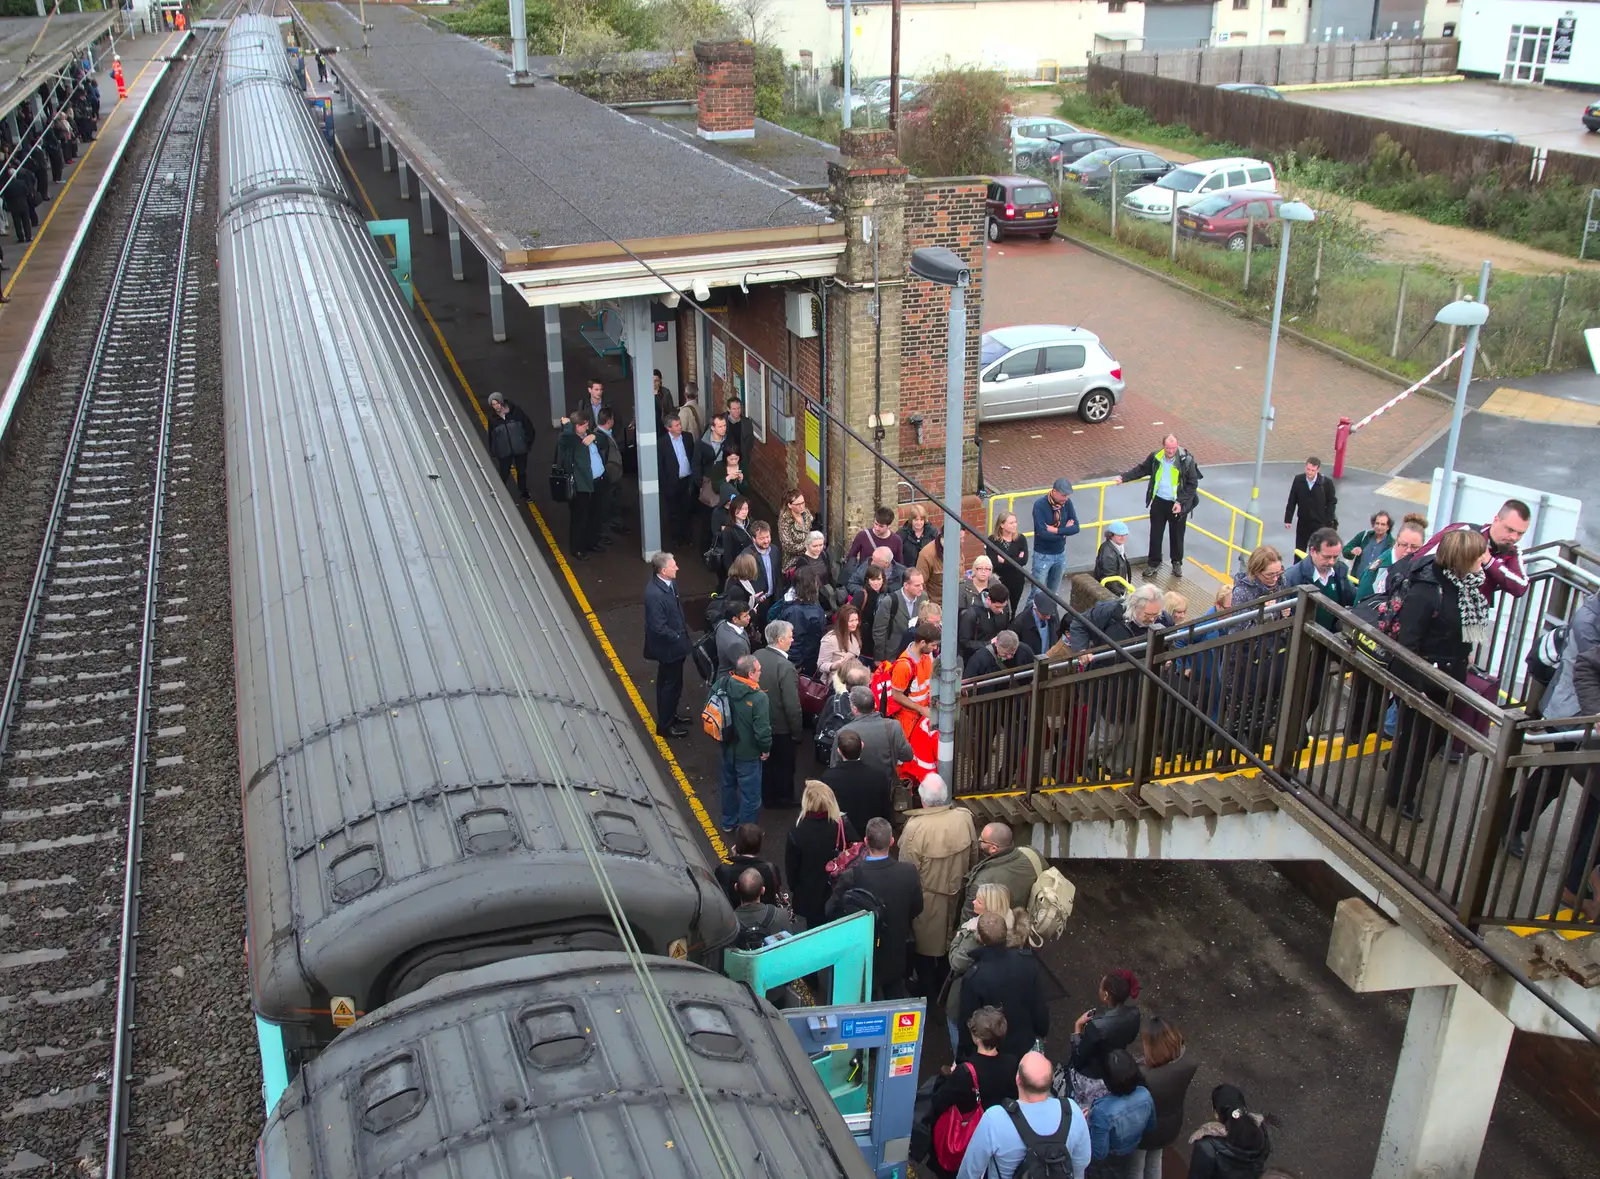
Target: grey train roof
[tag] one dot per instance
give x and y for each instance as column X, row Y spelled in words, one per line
column 411, row 682
column 555, row 1066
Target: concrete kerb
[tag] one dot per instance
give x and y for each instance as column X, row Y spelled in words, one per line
column 1362, row 84
column 1337, row 353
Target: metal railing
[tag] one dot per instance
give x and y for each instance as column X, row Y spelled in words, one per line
column 1244, row 532
column 1429, row 791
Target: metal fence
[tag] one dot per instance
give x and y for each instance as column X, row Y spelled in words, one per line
column 1427, row 774
column 1293, row 65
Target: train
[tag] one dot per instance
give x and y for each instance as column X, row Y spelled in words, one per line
column 450, row 821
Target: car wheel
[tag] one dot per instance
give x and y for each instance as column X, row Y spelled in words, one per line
column 994, row 230
column 1236, row 242
column 1096, row 406
column 1024, row 159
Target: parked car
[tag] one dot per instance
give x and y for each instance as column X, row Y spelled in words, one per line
column 1134, row 168
column 1070, row 148
column 1046, row 368
column 1255, row 88
column 1188, row 184
column 1021, row 204
column 1224, row 218
column 1591, row 116
column 1497, row 136
column 1030, row 137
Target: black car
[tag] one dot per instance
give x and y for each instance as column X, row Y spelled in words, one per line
column 1135, row 169
column 1591, row 116
column 1069, row 148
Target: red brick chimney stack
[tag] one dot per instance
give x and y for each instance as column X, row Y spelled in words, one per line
column 727, row 89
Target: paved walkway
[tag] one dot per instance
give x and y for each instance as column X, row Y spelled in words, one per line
column 35, row 268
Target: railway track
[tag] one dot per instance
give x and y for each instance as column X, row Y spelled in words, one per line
column 86, row 709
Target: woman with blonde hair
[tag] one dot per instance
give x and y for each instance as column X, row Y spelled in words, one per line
column 978, row 579
column 990, row 898
column 820, row 833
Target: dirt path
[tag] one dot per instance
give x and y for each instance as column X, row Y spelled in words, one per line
column 1402, row 237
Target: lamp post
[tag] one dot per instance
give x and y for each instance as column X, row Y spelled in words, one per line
column 1290, row 212
column 1465, row 312
column 946, row 269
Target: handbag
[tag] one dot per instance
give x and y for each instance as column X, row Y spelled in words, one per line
column 1485, row 685
column 954, row 1129
column 814, row 695
column 561, row 482
column 847, row 856
column 708, row 496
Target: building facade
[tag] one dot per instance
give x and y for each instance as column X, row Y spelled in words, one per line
column 1531, row 41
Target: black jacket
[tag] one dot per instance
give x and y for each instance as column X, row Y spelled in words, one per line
column 813, row 841
column 978, row 624
column 1008, row 979
column 734, row 540
column 728, row 876
column 1110, row 561
column 666, row 634
column 1318, row 506
column 761, row 581
column 862, row 791
column 1430, row 621
column 899, row 890
column 997, row 1082
column 1108, row 616
column 986, row 660
column 1217, row 1158
column 1168, row 1084
column 1189, row 477
column 1105, row 1032
column 667, row 465
column 911, row 546
column 1034, row 636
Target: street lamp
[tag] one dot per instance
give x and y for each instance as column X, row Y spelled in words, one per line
column 1465, row 312
column 1289, row 213
column 945, row 268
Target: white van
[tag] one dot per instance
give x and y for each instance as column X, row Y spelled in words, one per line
column 1189, row 182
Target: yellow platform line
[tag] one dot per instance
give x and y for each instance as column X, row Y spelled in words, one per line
column 630, row 689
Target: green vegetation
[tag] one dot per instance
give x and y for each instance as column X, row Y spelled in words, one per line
column 958, row 123
column 578, row 28
column 1549, row 215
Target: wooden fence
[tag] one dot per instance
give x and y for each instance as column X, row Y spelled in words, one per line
column 1270, row 127
column 1293, row 65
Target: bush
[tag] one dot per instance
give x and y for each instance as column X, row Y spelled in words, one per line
column 957, row 125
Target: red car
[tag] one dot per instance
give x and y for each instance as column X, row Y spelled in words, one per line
column 1224, row 217
column 1021, row 204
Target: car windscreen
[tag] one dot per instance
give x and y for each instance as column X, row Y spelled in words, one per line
column 1207, row 206
column 1032, row 194
column 1182, row 180
column 992, row 351
column 1097, row 159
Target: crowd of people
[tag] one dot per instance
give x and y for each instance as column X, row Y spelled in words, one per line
column 49, row 128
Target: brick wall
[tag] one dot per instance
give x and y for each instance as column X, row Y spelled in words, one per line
column 727, row 90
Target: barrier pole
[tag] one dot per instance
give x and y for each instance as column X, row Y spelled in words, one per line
column 1341, row 441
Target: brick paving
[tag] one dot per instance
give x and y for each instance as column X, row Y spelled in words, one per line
column 1192, row 369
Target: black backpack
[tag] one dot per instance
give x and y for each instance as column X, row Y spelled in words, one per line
column 835, row 715
column 1044, row 1156
column 752, row 937
column 857, row 899
column 1380, row 614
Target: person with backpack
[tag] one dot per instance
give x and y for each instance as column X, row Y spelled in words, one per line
column 838, row 712
column 746, row 744
column 937, row 841
column 1119, row 1120
column 911, row 700
column 889, row 890
column 747, row 840
column 1007, row 977
column 758, row 919
column 1037, row 1136
column 1000, row 862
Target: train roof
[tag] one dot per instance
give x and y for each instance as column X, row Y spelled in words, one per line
column 431, row 751
column 555, row 1066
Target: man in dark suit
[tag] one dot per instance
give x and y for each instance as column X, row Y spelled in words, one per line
column 666, row 641
column 769, row 562
column 1316, row 500
column 895, row 890
column 678, row 463
column 1036, row 626
column 862, row 789
column 740, row 437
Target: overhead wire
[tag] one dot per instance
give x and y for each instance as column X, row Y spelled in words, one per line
column 1120, row 650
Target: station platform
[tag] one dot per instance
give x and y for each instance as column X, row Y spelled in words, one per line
column 38, row 271
column 36, row 47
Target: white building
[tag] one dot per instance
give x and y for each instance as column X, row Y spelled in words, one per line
column 1533, row 41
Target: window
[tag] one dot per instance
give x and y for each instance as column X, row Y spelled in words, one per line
column 1259, row 175
column 1236, row 178
column 1280, row 3
column 755, row 396
column 1278, row 34
column 1212, row 185
column 1022, row 364
column 1116, row 6
column 1258, row 210
column 1240, row 6
column 1064, row 358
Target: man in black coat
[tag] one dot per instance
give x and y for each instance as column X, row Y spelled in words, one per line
column 666, row 641
column 511, row 436
column 1315, row 499
column 1037, row 628
column 1008, row 979
column 862, row 789
column 985, row 618
column 678, row 461
column 895, row 891
column 1003, row 652
column 1170, row 496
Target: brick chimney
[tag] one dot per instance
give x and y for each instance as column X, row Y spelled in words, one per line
column 727, row 89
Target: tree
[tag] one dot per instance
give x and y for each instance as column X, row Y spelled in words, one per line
column 756, row 18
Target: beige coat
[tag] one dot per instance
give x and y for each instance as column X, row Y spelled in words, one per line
column 938, row 841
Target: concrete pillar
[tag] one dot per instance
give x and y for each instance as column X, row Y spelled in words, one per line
column 388, row 153
column 497, row 302
column 405, row 178
column 554, row 363
column 868, row 184
column 425, row 199
column 1448, row 1076
column 372, row 133
column 637, row 337
column 455, row 250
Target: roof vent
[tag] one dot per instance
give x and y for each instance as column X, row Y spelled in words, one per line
column 555, row 1036
column 354, row 873
column 391, row 1093
column 620, row 834
column 707, row 1028
column 487, row 831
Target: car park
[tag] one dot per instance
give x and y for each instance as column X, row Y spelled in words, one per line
column 1134, row 168
column 1591, row 116
column 1497, row 136
column 1185, row 185
column 1226, row 218
column 1036, row 369
column 1255, row 88
column 1070, row 148
column 1031, row 137
column 1021, row 204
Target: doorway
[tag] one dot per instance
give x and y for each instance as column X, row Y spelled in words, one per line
column 1527, row 54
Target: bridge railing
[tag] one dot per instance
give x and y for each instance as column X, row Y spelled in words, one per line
column 1305, row 700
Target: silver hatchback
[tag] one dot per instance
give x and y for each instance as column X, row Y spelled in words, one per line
column 1035, row 369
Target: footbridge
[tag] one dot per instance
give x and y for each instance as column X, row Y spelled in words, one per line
column 1264, row 734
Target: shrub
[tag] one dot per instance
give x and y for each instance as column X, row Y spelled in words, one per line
column 958, row 125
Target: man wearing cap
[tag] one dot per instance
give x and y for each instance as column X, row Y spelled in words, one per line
column 1111, row 567
column 1053, row 521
